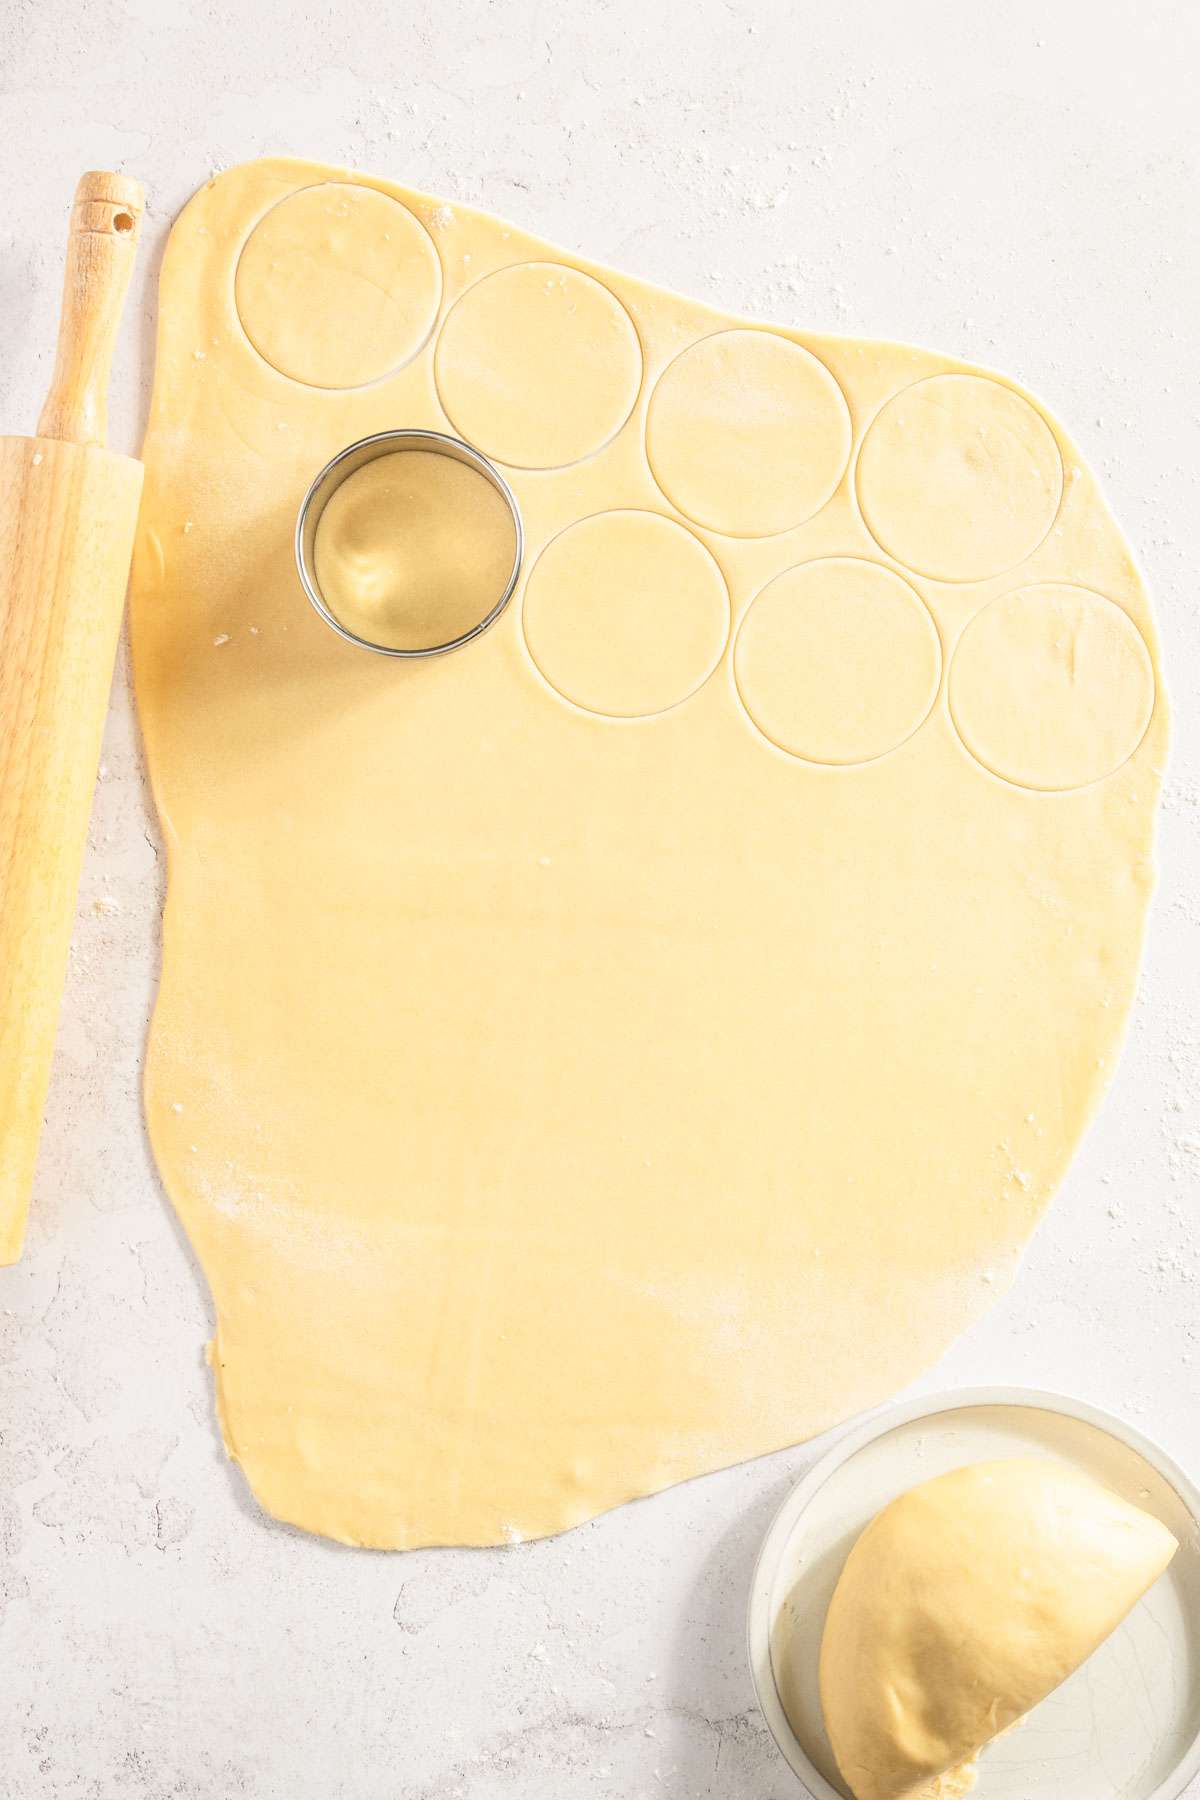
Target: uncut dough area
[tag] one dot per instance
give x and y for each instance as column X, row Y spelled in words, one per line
column 902, row 190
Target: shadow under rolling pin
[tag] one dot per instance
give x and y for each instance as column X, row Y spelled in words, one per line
column 68, row 512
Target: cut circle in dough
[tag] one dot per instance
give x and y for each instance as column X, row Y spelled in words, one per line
column 538, row 365
column 838, row 661
column 338, row 285
column 959, row 477
column 747, row 433
column 963, row 1604
column 626, row 614
column 1051, row 687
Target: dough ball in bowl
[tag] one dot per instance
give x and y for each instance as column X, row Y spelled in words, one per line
column 962, row 1605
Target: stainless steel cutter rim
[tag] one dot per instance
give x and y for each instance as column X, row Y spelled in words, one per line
column 383, row 443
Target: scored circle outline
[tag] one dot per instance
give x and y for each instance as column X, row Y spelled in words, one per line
column 596, row 442
column 913, row 564
column 886, row 580
column 804, row 358
column 412, row 347
column 698, row 677
column 1142, row 660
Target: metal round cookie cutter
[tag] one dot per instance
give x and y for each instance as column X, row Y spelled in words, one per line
column 343, row 465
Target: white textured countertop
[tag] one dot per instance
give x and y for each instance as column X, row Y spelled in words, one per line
column 1014, row 184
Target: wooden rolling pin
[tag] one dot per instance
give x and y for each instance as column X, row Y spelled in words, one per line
column 68, row 510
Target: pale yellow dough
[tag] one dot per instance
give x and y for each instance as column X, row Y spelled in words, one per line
column 650, row 1034
column 413, row 550
column 961, row 1606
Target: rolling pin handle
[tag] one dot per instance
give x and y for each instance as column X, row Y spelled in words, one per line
column 105, row 221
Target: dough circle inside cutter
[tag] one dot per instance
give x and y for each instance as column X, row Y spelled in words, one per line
column 413, row 550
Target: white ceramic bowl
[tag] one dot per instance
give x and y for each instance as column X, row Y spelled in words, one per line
column 1126, row 1726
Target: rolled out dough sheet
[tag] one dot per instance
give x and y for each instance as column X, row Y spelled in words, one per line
column 647, row 1036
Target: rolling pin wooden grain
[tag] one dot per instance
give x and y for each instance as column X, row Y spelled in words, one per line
column 68, row 511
